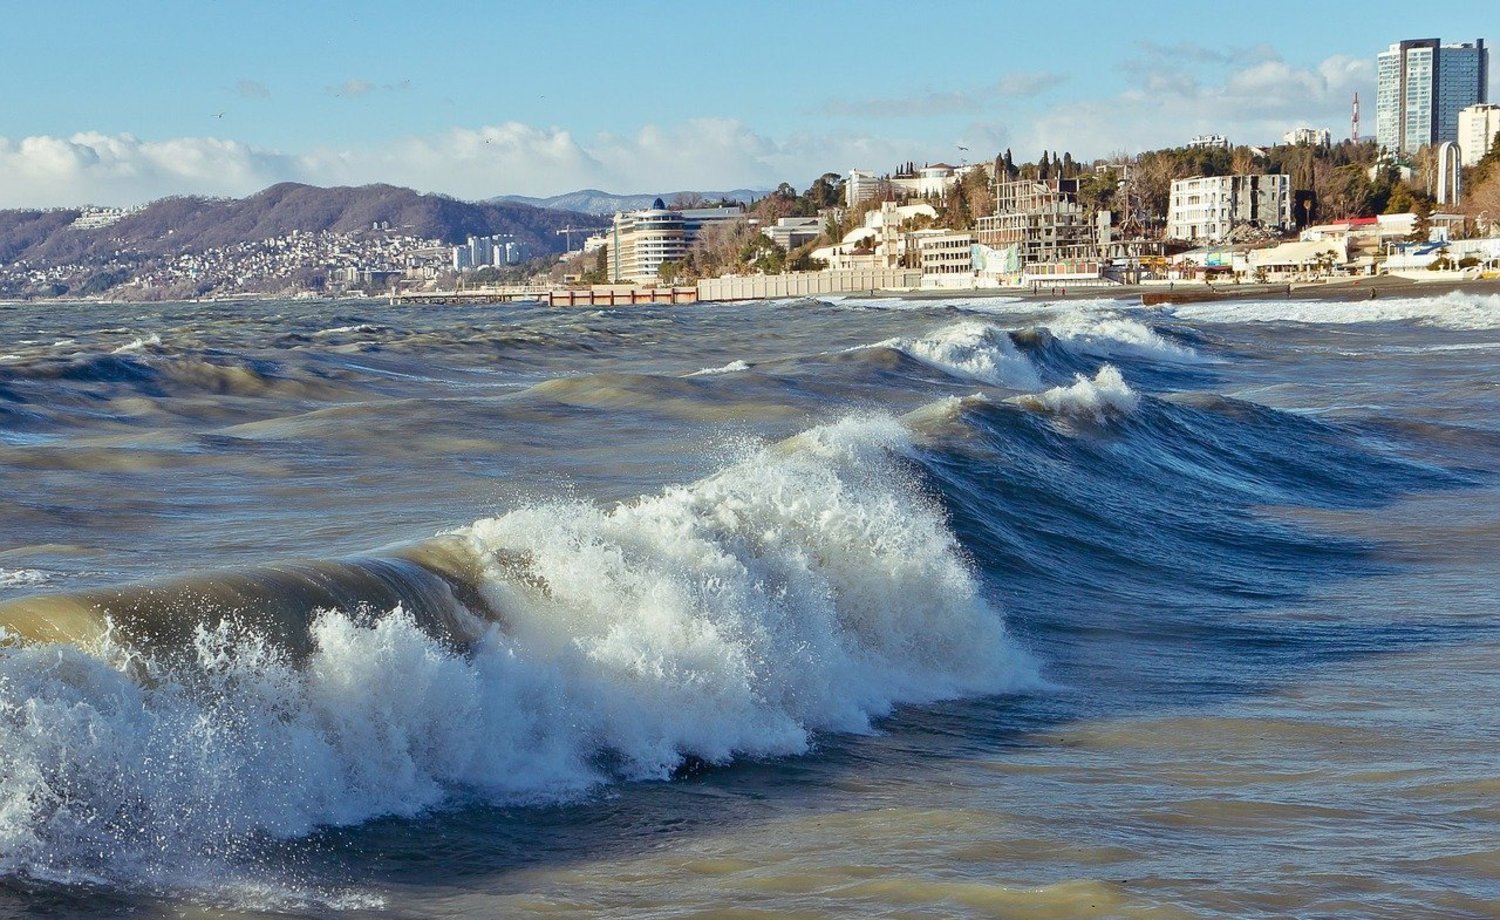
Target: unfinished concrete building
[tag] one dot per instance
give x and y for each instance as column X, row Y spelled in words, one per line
column 1043, row 219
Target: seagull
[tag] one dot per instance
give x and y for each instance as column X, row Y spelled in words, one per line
column 219, row 115
column 960, row 146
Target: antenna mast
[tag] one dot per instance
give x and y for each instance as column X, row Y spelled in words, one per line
column 1354, row 120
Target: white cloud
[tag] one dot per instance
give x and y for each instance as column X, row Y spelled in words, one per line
column 1254, row 103
column 96, row 168
column 1255, row 98
column 469, row 163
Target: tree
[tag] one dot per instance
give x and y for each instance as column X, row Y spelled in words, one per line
column 824, row 192
column 1423, row 229
column 761, row 254
column 1096, row 192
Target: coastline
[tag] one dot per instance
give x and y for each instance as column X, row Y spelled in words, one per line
column 1197, row 292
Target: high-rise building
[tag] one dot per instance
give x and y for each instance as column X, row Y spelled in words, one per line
column 1422, row 84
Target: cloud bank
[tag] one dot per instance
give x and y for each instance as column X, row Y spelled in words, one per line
column 1172, row 93
column 471, row 163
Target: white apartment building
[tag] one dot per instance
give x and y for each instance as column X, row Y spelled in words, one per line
column 931, row 181
column 1210, row 141
column 947, row 258
column 1312, row 137
column 1210, row 208
column 860, row 186
column 640, row 241
column 1477, row 127
column 1421, row 86
column 791, row 232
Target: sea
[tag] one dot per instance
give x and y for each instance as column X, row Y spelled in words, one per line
column 846, row 607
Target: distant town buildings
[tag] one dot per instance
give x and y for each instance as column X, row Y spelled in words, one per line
column 1311, row 137
column 1210, row 141
column 1477, row 127
column 480, row 251
column 95, row 218
column 1213, row 208
column 1421, row 86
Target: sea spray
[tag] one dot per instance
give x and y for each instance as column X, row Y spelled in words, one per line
column 1111, row 334
column 971, row 350
column 1096, row 398
column 809, row 587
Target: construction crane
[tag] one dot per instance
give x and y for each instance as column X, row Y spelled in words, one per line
column 568, row 232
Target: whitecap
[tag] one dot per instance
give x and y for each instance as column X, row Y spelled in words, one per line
column 971, row 350
column 1106, row 393
column 138, row 344
column 732, row 367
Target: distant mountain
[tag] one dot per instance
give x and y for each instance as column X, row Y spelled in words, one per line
column 178, row 225
column 604, row 204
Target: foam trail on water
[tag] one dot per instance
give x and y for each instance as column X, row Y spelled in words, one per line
column 972, row 350
column 1454, row 310
column 23, row 578
column 809, row 587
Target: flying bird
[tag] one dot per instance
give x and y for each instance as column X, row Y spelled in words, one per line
column 219, row 115
column 960, row 146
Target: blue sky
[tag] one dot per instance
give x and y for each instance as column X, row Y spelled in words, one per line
column 118, row 103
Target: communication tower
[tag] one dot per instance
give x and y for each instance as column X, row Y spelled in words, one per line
column 1354, row 120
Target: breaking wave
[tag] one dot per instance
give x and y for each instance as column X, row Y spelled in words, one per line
column 1106, row 393
column 971, row 350
column 809, row 587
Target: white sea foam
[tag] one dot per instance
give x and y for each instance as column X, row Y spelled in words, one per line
column 973, row 350
column 994, row 304
column 346, row 330
column 1107, row 392
column 1112, row 334
column 807, row 588
column 1454, row 310
column 22, row 578
column 138, row 344
column 731, row 368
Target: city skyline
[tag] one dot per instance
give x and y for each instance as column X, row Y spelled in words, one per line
column 114, row 105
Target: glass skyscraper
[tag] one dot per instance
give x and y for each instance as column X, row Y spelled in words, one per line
column 1421, row 86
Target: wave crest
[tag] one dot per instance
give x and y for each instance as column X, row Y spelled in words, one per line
column 1106, row 393
column 973, row 351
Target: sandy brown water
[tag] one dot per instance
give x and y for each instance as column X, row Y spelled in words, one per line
column 1261, row 600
